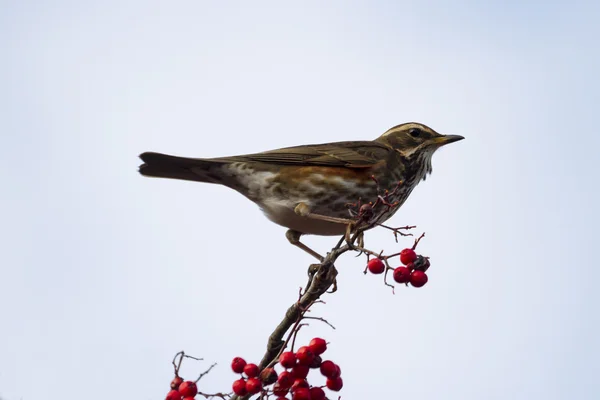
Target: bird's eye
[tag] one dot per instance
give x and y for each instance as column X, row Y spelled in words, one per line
column 415, row 132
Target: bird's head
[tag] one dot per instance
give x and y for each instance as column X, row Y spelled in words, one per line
column 416, row 142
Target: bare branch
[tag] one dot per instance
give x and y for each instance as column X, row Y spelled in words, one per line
column 205, row 372
column 321, row 278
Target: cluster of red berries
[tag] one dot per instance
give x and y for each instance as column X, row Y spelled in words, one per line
column 293, row 379
column 182, row 390
column 412, row 272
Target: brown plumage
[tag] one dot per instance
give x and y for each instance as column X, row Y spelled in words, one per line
column 323, row 177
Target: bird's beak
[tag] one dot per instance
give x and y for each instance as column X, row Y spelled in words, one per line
column 446, row 139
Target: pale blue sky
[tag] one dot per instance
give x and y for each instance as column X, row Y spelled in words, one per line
column 105, row 274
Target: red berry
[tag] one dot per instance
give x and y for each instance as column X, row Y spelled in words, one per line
column 335, row 384
column 188, row 389
column 376, row 266
column 402, row 275
column 418, row 278
column 407, row 256
column 189, row 398
column 173, row 395
column 282, row 398
column 268, row 376
column 287, row 359
column 300, row 371
column 318, row 346
column 298, row 384
column 301, row 394
column 176, row 382
column 251, row 370
column 316, row 393
column 239, row 387
column 253, row 385
column 238, row 364
column 279, row 390
column 305, row 355
column 329, row 369
column 286, row 379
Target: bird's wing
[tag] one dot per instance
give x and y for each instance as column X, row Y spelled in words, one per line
column 357, row 154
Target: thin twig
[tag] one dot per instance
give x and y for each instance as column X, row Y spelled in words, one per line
column 387, row 269
column 322, row 320
column 205, row 372
column 418, row 240
column 177, row 366
column 224, row 396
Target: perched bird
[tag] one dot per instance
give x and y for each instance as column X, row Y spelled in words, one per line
column 307, row 188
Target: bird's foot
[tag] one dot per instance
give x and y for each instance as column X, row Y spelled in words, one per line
column 331, row 276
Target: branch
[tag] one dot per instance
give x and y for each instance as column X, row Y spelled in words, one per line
column 321, row 277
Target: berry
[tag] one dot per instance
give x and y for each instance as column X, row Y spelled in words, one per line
column 278, row 390
column 335, row 384
column 286, row 379
column 402, row 274
column 316, row 362
column 176, row 382
column 366, row 211
column 316, row 393
column 298, row 384
column 239, row 387
column 301, row 394
column 300, row 371
column 318, row 346
column 238, row 364
column 282, row 398
column 268, row 376
column 188, row 389
column 329, row 369
column 251, row 370
column 173, row 395
column 418, row 278
column 407, row 256
column 253, row 385
column 376, row 266
column 287, row 359
column 305, row 355
column 189, row 398
column 421, row 263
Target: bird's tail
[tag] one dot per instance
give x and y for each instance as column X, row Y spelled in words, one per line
column 165, row 166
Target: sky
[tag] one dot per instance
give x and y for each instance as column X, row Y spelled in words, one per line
column 105, row 275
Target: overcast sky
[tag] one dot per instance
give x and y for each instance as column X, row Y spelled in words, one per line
column 105, row 275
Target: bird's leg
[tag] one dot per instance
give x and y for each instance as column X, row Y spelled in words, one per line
column 303, row 210
column 361, row 239
column 348, row 234
column 294, row 238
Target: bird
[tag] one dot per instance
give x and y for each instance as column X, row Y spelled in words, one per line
column 308, row 188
